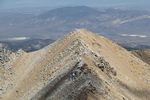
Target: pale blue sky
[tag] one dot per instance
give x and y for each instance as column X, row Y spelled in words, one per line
column 56, row 3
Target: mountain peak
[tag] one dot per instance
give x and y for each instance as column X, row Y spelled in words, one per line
column 79, row 66
column 79, row 33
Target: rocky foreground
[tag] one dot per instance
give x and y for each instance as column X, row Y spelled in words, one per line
column 79, row 66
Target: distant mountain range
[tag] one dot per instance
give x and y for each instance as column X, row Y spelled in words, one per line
column 112, row 23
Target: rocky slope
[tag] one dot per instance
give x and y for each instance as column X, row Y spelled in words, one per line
column 143, row 54
column 79, row 66
column 7, row 58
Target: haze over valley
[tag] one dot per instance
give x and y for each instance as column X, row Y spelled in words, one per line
column 126, row 27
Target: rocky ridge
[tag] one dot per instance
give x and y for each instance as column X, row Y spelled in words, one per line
column 79, row 66
column 7, row 58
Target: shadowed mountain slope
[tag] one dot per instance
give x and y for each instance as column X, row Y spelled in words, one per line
column 79, row 66
column 143, row 54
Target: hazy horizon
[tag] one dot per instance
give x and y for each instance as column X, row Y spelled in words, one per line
column 139, row 4
column 125, row 21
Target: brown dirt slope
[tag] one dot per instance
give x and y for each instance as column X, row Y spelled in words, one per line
column 79, row 66
column 143, row 55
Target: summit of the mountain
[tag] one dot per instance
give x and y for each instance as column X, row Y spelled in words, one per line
column 79, row 66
